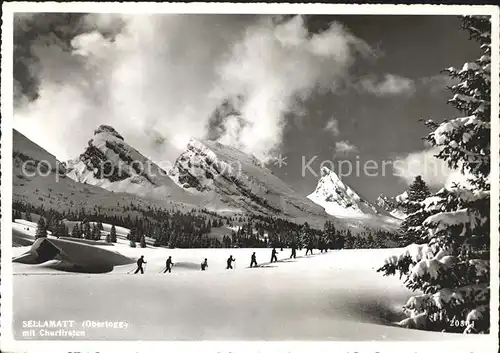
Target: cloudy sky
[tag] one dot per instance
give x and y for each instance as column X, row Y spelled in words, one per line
column 313, row 89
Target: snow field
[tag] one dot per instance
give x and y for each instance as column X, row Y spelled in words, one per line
column 332, row 296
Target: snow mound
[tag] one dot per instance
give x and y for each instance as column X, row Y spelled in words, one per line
column 67, row 255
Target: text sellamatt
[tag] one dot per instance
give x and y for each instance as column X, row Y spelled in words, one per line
column 49, row 324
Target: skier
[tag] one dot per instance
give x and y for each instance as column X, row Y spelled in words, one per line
column 204, row 265
column 253, row 261
column 139, row 265
column 294, row 251
column 321, row 245
column 273, row 255
column 230, row 262
column 169, row 264
column 309, row 248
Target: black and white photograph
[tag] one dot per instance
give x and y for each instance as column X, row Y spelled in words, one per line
column 244, row 176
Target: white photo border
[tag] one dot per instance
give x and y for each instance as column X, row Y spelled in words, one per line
column 489, row 343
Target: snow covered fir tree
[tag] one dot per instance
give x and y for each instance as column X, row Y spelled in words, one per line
column 41, row 229
column 417, row 192
column 450, row 270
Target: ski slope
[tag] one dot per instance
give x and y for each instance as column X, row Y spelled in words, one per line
column 332, row 296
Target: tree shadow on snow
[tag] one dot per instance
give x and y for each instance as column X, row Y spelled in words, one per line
column 263, row 266
column 186, row 265
column 374, row 311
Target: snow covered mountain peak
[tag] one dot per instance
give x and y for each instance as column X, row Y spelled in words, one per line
column 239, row 180
column 341, row 201
column 391, row 204
column 338, row 199
column 402, row 197
column 111, row 163
column 325, row 171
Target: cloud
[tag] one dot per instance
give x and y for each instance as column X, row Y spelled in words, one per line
column 32, row 30
column 150, row 78
column 332, row 126
column 158, row 79
column 345, row 147
column 438, row 83
column 435, row 172
column 276, row 67
column 390, row 85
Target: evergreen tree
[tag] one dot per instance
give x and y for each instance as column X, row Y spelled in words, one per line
column 358, row 242
column 417, row 192
column 349, row 240
column 75, row 232
column 173, row 241
column 305, row 235
column 87, row 232
column 452, row 268
column 339, row 242
column 131, row 237
column 143, row 242
column 112, row 234
column 379, row 241
column 59, row 229
column 370, row 242
column 93, row 231
column 97, row 233
column 41, row 229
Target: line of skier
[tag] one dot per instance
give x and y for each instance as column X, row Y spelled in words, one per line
column 253, row 260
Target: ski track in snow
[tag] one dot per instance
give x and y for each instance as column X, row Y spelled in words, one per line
column 332, row 296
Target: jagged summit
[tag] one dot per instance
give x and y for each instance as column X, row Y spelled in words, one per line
column 342, row 202
column 109, row 162
column 325, row 171
column 338, row 199
column 239, row 180
column 108, row 129
column 391, row 204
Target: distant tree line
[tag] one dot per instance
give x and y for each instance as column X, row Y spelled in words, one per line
column 193, row 229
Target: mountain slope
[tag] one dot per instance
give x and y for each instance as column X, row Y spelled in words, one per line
column 40, row 180
column 206, row 175
column 77, row 185
column 241, row 181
